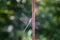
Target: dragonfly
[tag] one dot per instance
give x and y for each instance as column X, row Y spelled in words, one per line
column 27, row 21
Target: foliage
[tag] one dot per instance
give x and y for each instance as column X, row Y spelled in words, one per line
column 47, row 19
column 11, row 27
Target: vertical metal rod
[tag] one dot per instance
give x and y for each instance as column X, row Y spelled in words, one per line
column 33, row 19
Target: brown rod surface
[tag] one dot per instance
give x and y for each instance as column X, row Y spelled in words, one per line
column 33, row 19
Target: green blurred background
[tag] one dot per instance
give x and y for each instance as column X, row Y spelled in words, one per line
column 15, row 15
